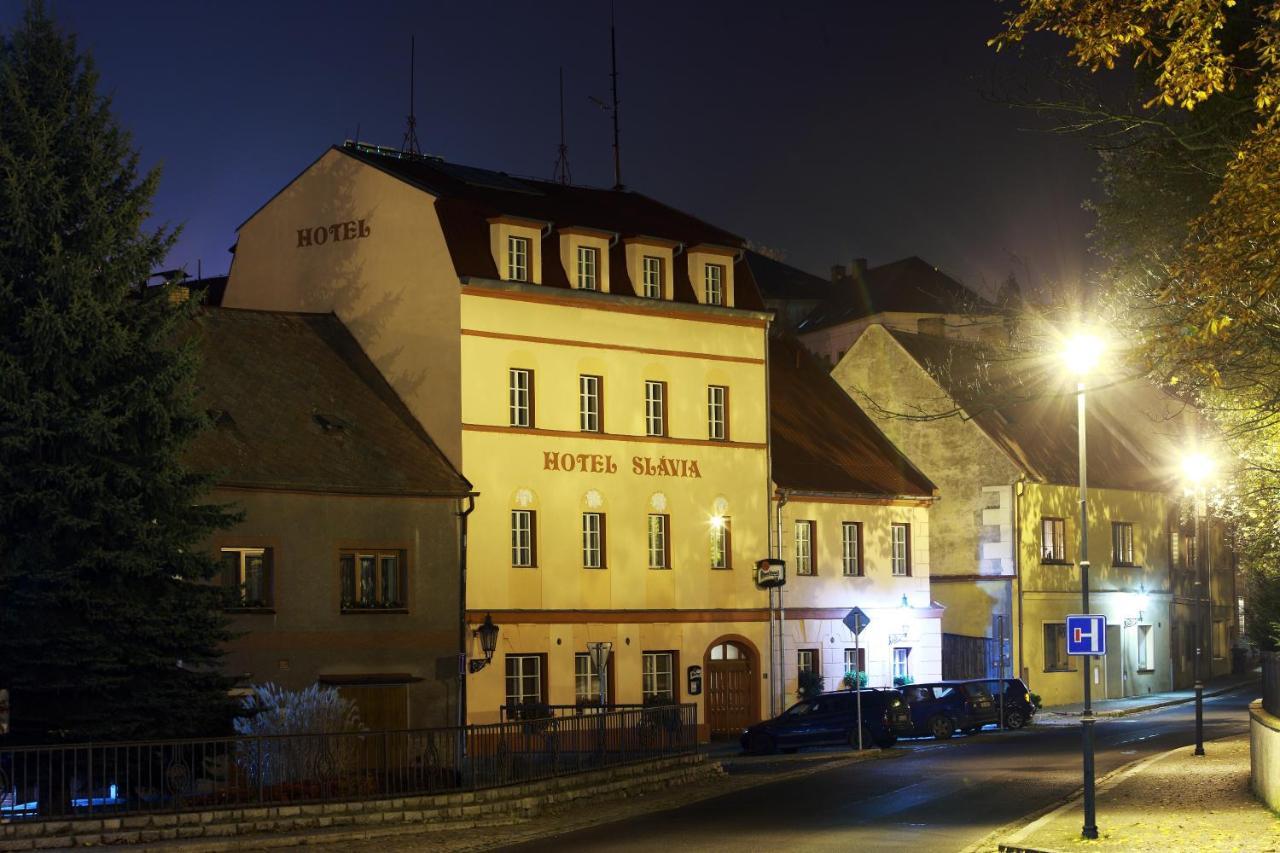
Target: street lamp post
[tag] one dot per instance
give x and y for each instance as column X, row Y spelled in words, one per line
column 1081, row 356
column 1196, row 468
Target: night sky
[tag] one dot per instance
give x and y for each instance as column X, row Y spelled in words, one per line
column 825, row 130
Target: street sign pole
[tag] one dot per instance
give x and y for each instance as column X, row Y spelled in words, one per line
column 857, row 673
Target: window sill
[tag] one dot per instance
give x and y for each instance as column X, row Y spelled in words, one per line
column 1062, row 670
column 722, row 568
column 858, row 575
column 249, row 610
column 1056, row 563
column 524, row 567
column 659, row 568
column 374, row 611
column 1146, row 672
column 589, row 568
column 1126, row 565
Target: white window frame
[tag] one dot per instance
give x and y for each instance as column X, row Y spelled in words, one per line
column 851, row 548
column 721, row 543
column 1122, row 544
column 851, row 659
column 713, row 283
column 807, row 661
column 240, row 582
column 651, row 276
column 804, row 547
column 385, row 563
column 526, row 668
column 588, row 268
column 1053, row 540
column 589, row 402
column 659, row 540
column 655, row 407
column 517, row 258
column 900, row 549
column 593, row 540
column 524, row 552
column 520, row 397
column 901, row 662
column 586, row 680
column 717, row 412
column 657, row 668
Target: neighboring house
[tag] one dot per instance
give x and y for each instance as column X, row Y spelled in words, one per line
column 1005, row 534
column 852, row 514
column 791, row 293
column 345, row 568
column 595, row 363
column 910, row 295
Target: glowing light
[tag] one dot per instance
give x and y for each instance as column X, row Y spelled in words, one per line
column 1081, row 352
column 717, row 522
column 1196, row 468
column 1140, row 599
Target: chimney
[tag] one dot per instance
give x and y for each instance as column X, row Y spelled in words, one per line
column 838, row 272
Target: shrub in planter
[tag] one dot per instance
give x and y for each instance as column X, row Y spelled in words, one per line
column 297, row 737
column 1035, row 700
column 903, row 680
column 809, row 684
column 854, row 679
column 661, row 713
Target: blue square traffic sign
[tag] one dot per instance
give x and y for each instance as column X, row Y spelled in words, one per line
column 1087, row 634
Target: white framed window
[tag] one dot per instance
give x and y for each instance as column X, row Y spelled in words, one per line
column 806, row 660
column 651, row 277
column 656, row 675
column 1146, row 647
column 246, row 574
column 593, row 540
column 655, row 407
column 855, row 659
column 659, row 542
column 586, row 680
column 588, row 268
column 901, row 664
column 900, row 541
column 371, row 579
column 524, row 679
column 721, row 547
column 1121, row 543
column 520, row 396
column 713, row 281
column 804, row 547
column 524, row 547
column 1053, row 540
column 851, row 548
column 717, row 412
column 589, row 388
column 518, row 258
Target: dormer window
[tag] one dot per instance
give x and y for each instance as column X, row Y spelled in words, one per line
column 588, row 268
column 652, row 275
column 517, row 258
column 713, row 284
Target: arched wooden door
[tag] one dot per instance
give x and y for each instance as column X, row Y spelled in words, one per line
column 732, row 698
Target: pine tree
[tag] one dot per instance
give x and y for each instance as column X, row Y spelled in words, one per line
column 108, row 627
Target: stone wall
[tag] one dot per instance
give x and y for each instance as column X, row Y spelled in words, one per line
column 230, row 829
column 1264, row 754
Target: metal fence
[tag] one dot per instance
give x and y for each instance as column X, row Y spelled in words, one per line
column 86, row 780
column 1271, row 682
column 536, row 710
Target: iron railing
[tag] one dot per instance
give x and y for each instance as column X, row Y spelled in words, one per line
column 1271, row 682
column 536, row 710
column 93, row 779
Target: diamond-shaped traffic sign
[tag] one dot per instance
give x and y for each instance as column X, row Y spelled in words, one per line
column 855, row 620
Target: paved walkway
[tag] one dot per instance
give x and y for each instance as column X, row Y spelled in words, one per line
column 1137, row 704
column 1173, row 801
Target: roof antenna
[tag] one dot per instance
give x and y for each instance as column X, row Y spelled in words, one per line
column 410, row 144
column 613, row 53
column 562, row 173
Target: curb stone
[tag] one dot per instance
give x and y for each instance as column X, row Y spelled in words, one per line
column 1128, row 712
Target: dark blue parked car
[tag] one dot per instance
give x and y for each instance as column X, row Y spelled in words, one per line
column 1018, row 709
column 940, row 709
column 832, row 718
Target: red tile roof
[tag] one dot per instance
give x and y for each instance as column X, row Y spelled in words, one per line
column 911, row 285
column 821, row 441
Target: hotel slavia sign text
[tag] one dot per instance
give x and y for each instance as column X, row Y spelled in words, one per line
column 604, row 463
column 352, row 229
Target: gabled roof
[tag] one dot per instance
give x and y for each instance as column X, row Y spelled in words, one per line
column 911, row 285
column 1023, row 405
column 821, row 441
column 297, row 405
column 778, row 280
column 467, row 197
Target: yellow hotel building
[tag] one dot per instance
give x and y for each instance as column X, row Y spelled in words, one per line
column 595, row 363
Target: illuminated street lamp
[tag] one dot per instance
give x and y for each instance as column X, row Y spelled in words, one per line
column 1197, row 469
column 488, row 634
column 1081, row 354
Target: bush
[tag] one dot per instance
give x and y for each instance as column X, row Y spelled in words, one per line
column 1035, row 700
column 279, row 717
column 903, row 680
column 809, row 684
column 854, row 679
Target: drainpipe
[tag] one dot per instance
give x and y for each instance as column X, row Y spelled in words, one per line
column 781, row 671
column 775, row 550
column 1018, row 486
column 462, row 612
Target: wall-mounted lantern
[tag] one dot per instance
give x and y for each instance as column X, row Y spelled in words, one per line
column 488, row 634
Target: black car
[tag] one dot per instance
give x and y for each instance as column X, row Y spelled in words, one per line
column 832, row 718
column 1018, row 708
column 941, row 708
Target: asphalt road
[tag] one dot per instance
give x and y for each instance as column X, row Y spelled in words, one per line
column 938, row 796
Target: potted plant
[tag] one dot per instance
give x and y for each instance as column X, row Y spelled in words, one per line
column 809, row 684
column 854, row 679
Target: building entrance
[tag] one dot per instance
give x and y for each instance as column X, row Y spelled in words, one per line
column 733, row 696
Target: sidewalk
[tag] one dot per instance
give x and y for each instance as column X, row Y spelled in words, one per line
column 1137, row 704
column 1172, row 801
